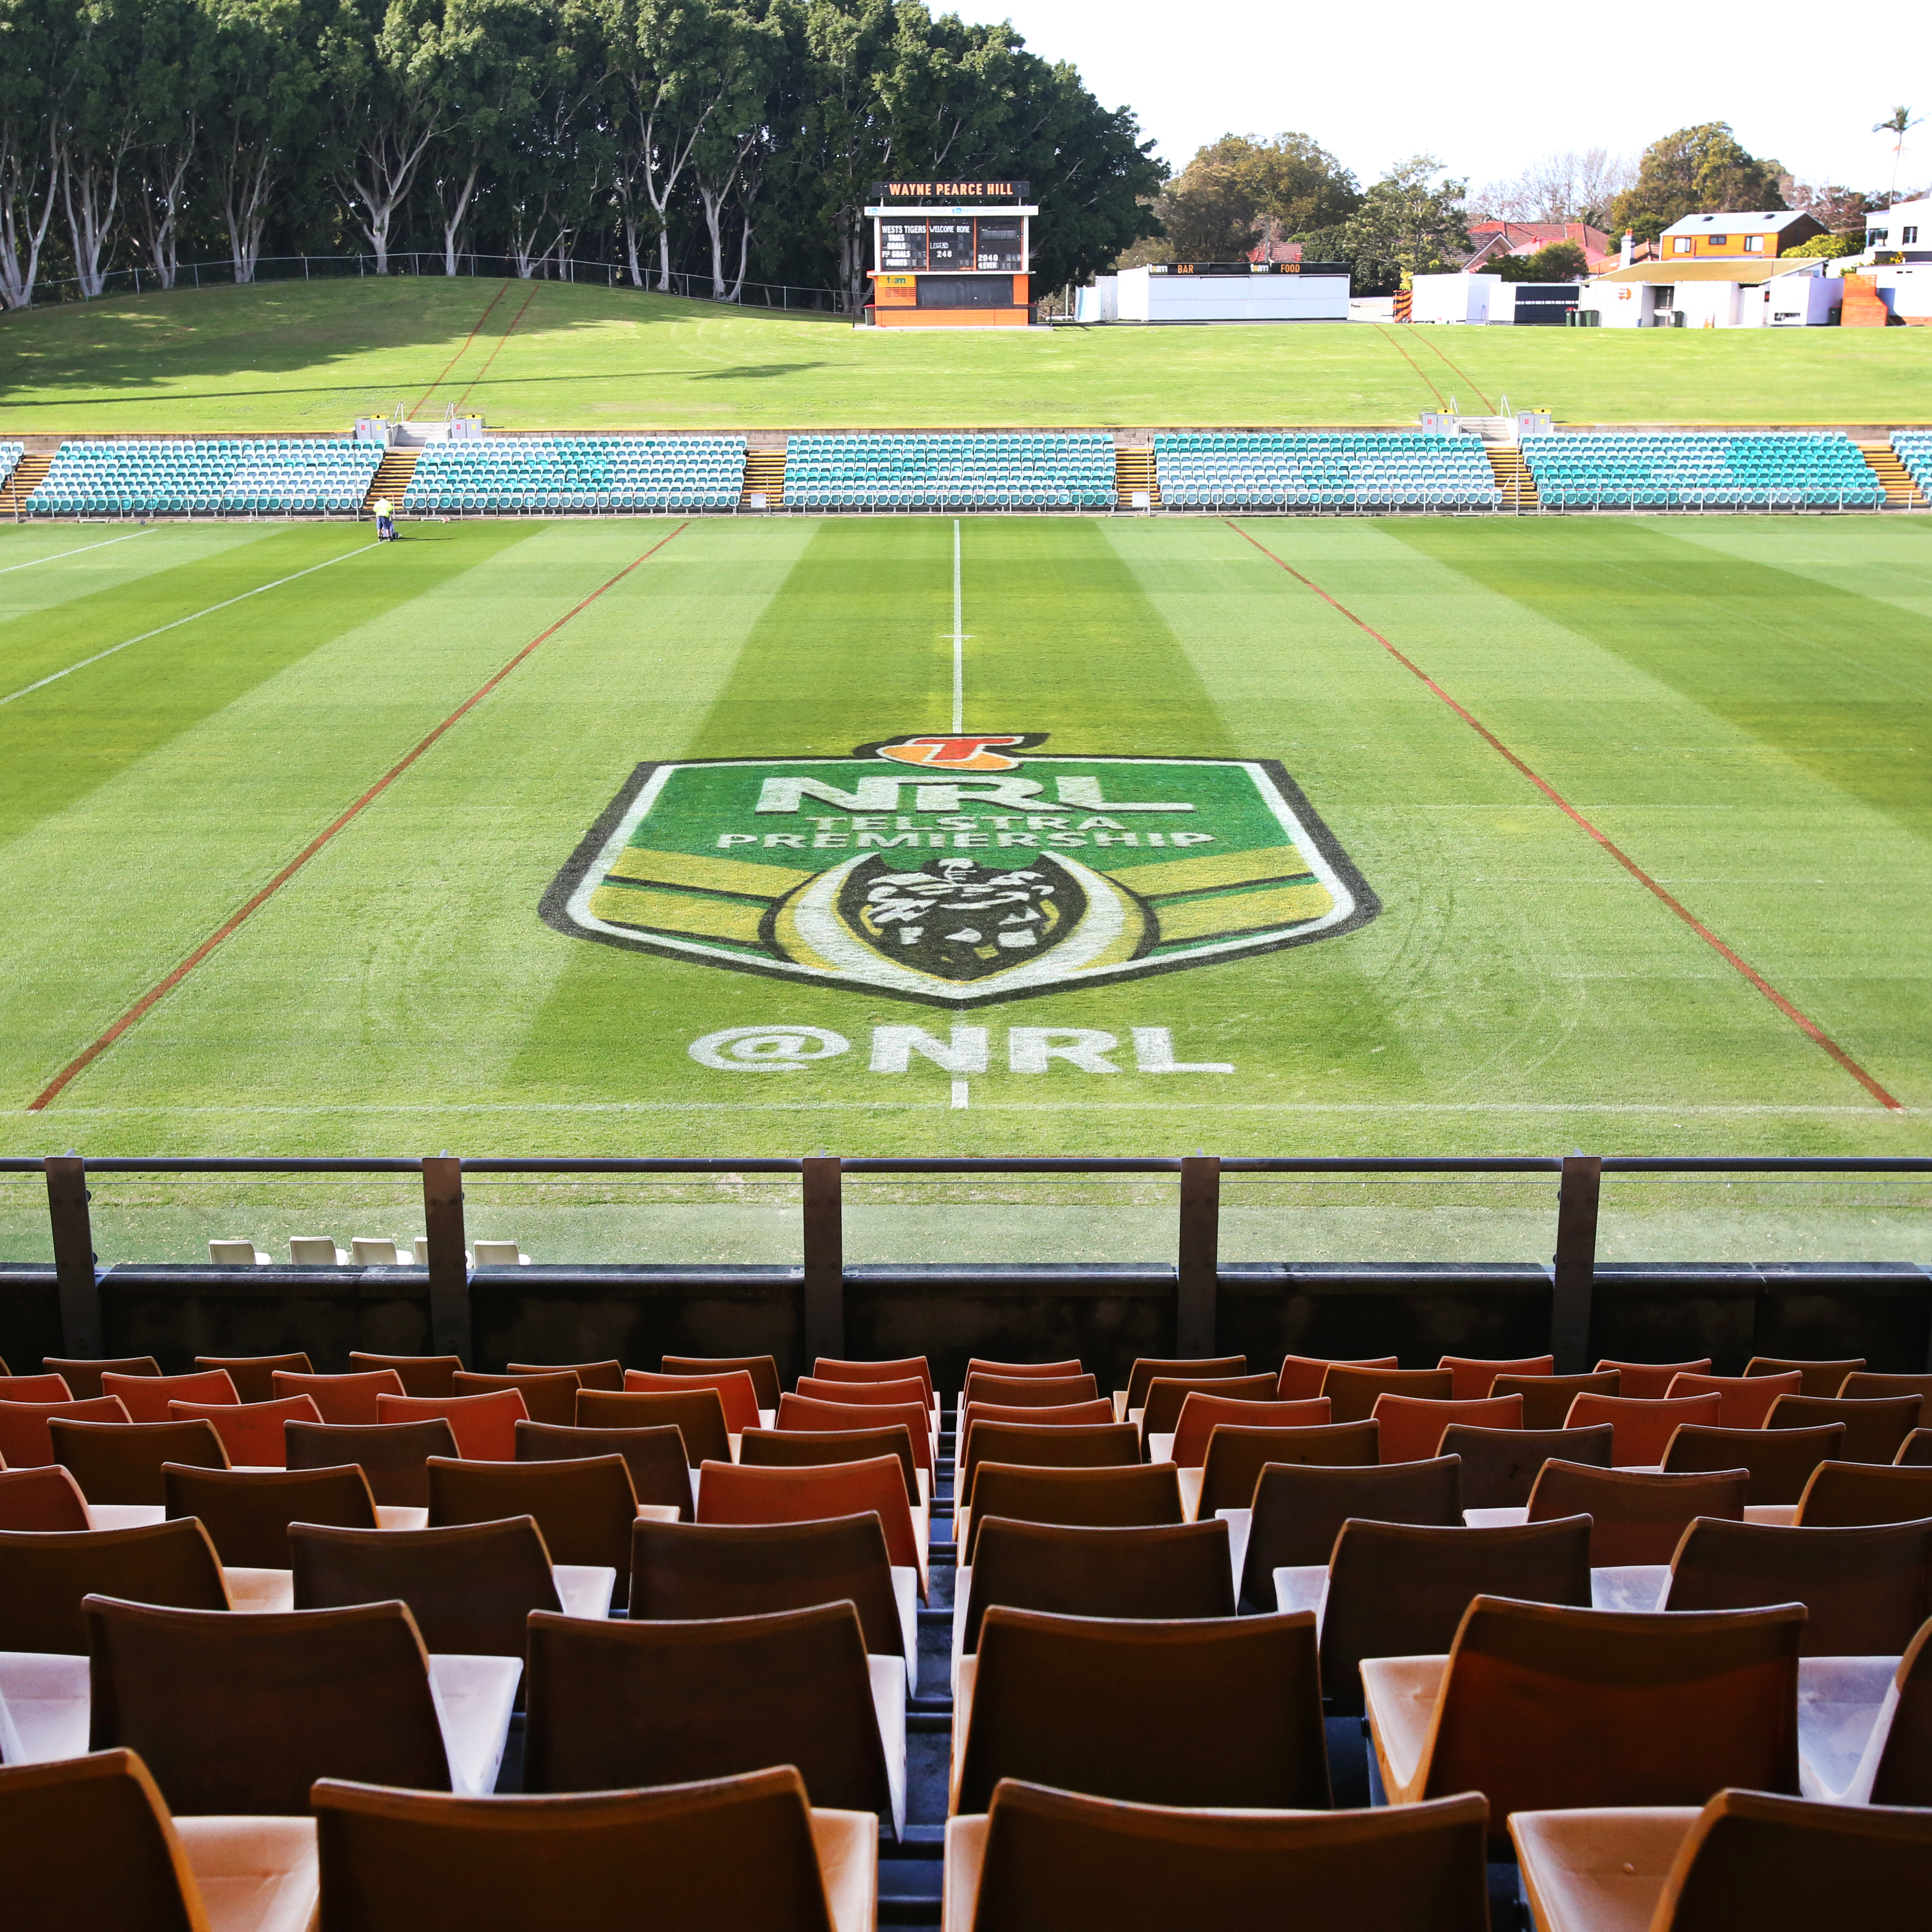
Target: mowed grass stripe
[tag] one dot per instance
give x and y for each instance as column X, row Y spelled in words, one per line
column 8, row 569
column 102, row 568
column 1730, row 956
column 254, row 904
column 71, row 736
column 161, row 630
column 121, row 883
column 1839, row 683
column 408, row 960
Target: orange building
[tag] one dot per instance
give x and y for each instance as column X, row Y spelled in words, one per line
column 1734, row 237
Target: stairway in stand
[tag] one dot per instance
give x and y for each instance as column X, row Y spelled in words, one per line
column 391, row 479
column 1513, row 476
column 1133, row 475
column 764, row 480
column 1900, row 492
column 911, row 1872
column 19, row 486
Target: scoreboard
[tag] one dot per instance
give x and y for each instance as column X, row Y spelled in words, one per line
column 949, row 254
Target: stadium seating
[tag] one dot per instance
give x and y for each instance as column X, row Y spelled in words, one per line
column 1758, row 469
column 1287, row 470
column 224, row 476
column 1913, row 447
column 11, row 454
column 1066, row 470
column 554, row 475
column 1158, row 1643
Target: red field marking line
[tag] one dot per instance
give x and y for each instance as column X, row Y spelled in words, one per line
column 498, row 350
column 1809, row 1026
column 157, row 993
column 1444, row 355
column 1392, row 342
column 502, row 290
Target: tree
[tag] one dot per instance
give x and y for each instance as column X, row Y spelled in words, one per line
column 1409, row 223
column 500, row 53
column 1841, row 209
column 98, row 120
column 170, row 90
column 1699, row 170
column 1239, row 188
column 35, row 39
column 1897, row 123
column 1559, row 262
column 1568, row 187
column 1825, row 247
column 260, row 111
column 388, row 69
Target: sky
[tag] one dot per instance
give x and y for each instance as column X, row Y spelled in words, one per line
column 1489, row 86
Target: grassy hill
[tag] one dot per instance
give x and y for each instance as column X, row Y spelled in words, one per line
column 311, row 356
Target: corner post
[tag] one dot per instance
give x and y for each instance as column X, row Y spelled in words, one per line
column 1198, row 1264
column 824, row 1254
column 449, row 1323
column 1576, row 1261
column 76, row 1283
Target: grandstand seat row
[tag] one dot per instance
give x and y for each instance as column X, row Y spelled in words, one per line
column 1064, row 470
column 536, row 473
column 1289, row 470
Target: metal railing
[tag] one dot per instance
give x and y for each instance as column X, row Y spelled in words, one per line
column 783, row 296
column 1197, row 1267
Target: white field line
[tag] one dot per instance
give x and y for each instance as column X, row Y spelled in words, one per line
column 59, row 553
column 54, row 677
column 958, row 643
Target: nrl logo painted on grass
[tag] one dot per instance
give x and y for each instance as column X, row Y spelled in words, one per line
column 957, row 868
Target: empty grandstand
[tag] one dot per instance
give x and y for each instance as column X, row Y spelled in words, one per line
column 1269, row 469
column 580, row 475
column 207, row 476
column 11, row 454
column 1779, row 469
column 1067, row 470
column 1913, row 447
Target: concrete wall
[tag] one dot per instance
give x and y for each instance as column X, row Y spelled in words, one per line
column 1146, row 297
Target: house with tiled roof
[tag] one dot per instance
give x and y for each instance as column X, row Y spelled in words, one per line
column 1494, row 239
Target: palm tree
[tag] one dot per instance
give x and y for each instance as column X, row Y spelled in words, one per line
column 1897, row 123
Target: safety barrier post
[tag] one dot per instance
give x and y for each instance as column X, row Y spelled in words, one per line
column 824, row 1256
column 1576, row 1261
column 449, row 1323
column 77, row 1284
column 1199, row 1262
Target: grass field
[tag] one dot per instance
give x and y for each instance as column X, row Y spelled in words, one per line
column 301, row 357
column 1743, row 707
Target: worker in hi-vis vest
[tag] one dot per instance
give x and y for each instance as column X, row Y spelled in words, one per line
column 385, row 520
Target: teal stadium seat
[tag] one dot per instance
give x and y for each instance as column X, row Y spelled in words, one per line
column 993, row 470
column 151, row 477
column 1317, row 470
column 1778, row 470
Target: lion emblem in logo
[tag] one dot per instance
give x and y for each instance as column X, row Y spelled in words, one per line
column 960, row 919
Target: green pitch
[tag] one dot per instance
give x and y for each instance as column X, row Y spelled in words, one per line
column 295, row 357
column 1740, row 706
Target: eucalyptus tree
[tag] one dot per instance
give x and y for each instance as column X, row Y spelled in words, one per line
column 389, row 72
column 98, row 121
column 260, row 115
column 35, row 40
column 171, row 84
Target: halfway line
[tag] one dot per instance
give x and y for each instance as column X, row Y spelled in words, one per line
column 157, row 993
column 959, row 642
column 59, row 553
column 1751, row 973
column 54, row 677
